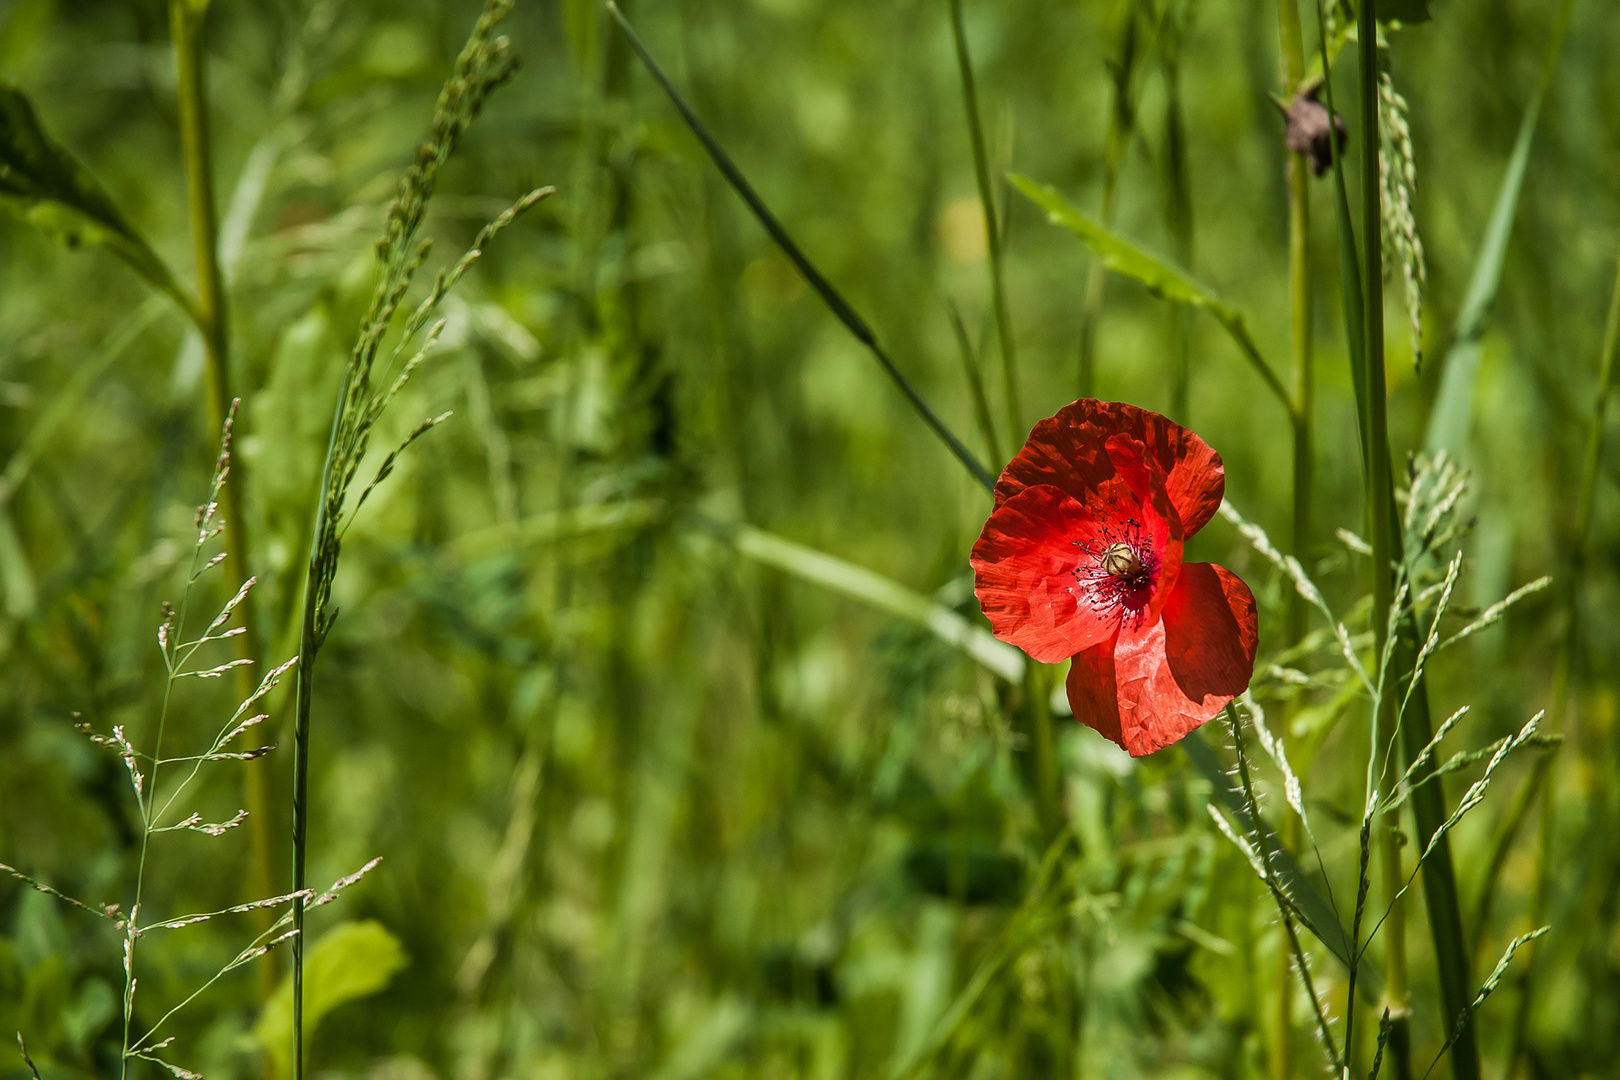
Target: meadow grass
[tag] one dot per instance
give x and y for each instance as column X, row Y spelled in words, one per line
column 659, row 681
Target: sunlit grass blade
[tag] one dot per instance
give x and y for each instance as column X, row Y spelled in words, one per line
column 881, row 592
column 829, row 295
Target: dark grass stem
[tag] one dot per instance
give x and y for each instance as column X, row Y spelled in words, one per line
column 992, row 228
column 211, row 314
column 371, row 379
column 834, row 300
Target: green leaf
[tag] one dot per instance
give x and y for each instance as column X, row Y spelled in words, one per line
column 47, row 187
column 1159, row 276
column 353, row 960
column 1120, row 255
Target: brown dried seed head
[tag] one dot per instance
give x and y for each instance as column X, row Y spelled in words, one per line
column 1308, row 127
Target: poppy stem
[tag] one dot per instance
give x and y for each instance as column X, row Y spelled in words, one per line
column 1037, row 706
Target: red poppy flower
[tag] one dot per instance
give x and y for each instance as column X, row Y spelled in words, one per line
column 1081, row 558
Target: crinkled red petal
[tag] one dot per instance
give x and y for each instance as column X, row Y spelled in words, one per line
column 1069, row 451
column 1149, row 687
column 1023, row 573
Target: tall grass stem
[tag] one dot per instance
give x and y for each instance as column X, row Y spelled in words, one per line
column 213, row 324
column 994, row 236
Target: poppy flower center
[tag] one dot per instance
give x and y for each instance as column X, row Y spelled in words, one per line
column 1117, row 570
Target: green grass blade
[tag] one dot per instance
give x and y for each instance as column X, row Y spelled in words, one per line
column 1158, row 275
column 1451, row 419
column 48, row 188
column 829, row 295
column 880, row 592
column 1324, row 919
column 1349, row 263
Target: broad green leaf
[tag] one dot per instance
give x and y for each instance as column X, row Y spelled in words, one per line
column 353, row 960
column 47, row 187
column 1159, row 276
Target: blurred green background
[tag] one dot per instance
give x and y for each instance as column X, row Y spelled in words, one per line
column 648, row 807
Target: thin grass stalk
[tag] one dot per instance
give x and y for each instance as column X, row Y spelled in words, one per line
column 1035, row 705
column 1179, row 208
column 992, row 228
column 1541, row 896
column 213, row 324
column 975, row 380
column 1301, row 393
column 1121, row 125
column 830, row 296
column 308, row 647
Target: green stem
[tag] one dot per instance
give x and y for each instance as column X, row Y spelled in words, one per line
column 308, row 646
column 1301, row 395
column 1179, row 209
column 992, row 230
column 1037, row 706
column 1412, row 726
column 1383, row 526
column 1121, row 122
column 970, row 367
column 211, row 317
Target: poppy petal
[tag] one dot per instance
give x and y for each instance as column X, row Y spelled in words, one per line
column 1149, row 687
column 1069, row 451
column 1160, row 523
column 1024, row 574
